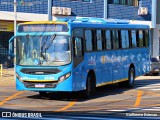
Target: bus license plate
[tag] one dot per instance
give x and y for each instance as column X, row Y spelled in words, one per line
column 39, row 85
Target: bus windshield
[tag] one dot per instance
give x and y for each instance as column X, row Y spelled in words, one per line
column 49, row 50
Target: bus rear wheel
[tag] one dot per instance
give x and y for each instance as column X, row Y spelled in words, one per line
column 90, row 86
column 131, row 78
column 155, row 74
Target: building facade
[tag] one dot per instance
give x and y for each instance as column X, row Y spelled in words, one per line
column 137, row 11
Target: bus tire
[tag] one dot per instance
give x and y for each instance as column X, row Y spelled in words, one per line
column 131, row 78
column 155, row 74
column 90, row 86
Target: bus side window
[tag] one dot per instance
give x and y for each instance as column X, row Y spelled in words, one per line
column 115, row 39
column 108, row 39
column 99, row 39
column 141, row 40
column 146, row 37
column 125, row 38
column 78, row 47
column 133, row 38
column 88, row 38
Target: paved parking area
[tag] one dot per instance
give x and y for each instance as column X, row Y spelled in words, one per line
column 144, row 97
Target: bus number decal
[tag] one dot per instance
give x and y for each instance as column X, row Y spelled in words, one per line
column 103, row 59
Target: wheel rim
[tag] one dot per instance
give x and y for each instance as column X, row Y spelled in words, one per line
column 132, row 77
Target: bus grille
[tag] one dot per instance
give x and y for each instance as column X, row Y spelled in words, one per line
column 40, row 71
column 40, row 85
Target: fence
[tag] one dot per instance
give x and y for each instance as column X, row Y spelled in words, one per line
column 2, row 71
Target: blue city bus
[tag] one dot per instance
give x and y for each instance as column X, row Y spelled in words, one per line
column 80, row 54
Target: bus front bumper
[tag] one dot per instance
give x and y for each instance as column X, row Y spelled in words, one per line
column 65, row 85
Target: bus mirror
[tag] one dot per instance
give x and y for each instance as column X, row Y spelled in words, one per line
column 11, row 45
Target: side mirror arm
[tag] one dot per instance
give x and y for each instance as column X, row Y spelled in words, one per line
column 10, row 44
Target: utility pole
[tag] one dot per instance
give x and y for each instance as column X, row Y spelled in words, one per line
column 15, row 17
column 154, row 13
column 49, row 10
column 15, row 29
column 105, row 12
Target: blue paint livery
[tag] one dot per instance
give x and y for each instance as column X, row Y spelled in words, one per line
column 109, row 66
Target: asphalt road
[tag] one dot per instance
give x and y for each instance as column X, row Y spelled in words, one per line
column 113, row 102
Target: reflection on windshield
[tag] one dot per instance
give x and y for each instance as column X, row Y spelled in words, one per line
column 43, row 50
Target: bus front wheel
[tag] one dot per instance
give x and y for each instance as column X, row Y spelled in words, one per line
column 42, row 94
column 90, row 86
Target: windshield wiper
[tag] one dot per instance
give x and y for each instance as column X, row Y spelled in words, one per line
column 45, row 49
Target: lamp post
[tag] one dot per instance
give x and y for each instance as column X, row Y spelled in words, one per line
column 105, row 12
column 49, row 10
column 15, row 16
column 15, row 29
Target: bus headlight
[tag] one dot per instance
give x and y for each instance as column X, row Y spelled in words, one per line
column 62, row 78
column 19, row 77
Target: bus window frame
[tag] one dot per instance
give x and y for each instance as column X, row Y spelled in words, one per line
column 105, row 40
column 85, row 46
column 100, row 40
column 146, row 44
column 117, row 32
column 126, row 31
column 103, row 36
column 77, row 59
column 132, row 38
column 143, row 45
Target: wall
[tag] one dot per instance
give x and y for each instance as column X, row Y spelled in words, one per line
column 155, row 42
column 158, row 11
column 95, row 9
column 129, row 12
column 79, row 8
column 28, row 6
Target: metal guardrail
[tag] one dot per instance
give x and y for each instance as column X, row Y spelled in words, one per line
column 2, row 71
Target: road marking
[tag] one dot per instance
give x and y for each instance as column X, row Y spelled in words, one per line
column 152, row 109
column 149, row 87
column 138, row 100
column 10, row 97
column 153, row 86
column 116, row 110
column 66, row 107
column 155, row 89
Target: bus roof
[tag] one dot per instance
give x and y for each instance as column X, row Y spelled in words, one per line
column 43, row 22
column 110, row 26
column 103, row 23
column 92, row 22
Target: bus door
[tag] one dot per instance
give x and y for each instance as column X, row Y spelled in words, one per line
column 78, row 57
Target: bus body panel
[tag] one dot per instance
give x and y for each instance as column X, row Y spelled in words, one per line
column 65, row 85
column 114, row 68
column 109, row 66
